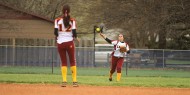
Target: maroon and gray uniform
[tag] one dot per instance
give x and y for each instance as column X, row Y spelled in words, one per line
column 117, row 57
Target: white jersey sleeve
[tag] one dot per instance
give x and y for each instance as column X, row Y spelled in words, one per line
column 55, row 24
column 127, row 47
column 74, row 24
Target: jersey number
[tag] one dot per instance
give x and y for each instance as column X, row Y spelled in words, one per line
column 67, row 30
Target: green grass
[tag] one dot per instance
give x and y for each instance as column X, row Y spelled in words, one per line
column 98, row 77
column 170, row 61
column 27, row 70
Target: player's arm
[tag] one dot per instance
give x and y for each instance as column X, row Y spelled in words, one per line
column 56, row 32
column 55, row 28
column 127, row 48
column 108, row 40
column 74, row 28
column 74, row 32
column 75, row 35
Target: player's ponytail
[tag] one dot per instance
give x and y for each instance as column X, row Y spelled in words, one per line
column 66, row 19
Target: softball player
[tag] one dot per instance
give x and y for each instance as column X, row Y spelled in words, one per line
column 65, row 32
column 117, row 56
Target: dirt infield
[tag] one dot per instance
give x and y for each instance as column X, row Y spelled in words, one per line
column 51, row 89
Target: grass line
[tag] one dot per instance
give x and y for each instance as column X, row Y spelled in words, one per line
column 97, row 77
column 97, row 80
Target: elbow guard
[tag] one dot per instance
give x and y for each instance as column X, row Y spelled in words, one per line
column 74, row 33
column 56, row 32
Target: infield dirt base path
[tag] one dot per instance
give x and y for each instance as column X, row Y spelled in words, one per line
column 51, row 89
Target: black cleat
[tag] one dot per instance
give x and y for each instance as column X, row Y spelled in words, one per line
column 75, row 84
column 63, row 84
column 110, row 79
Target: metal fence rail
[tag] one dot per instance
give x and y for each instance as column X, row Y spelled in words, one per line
column 150, row 58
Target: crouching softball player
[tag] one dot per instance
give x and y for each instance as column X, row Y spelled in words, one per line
column 117, row 56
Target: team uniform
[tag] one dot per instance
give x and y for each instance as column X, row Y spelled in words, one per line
column 65, row 44
column 117, row 57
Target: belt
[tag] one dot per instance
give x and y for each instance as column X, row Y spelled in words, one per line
column 118, row 57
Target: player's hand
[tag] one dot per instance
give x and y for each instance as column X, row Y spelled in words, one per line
column 102, row 35
column 77, row 39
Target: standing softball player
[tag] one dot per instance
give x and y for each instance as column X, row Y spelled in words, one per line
column 117, row 56
column 65, row 32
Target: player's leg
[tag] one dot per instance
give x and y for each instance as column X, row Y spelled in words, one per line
column 113, row 67
column 119, row 66
column 62, row 53
column 71, row 53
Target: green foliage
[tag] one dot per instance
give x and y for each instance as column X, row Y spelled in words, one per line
column 180, row 42
column 140, row 19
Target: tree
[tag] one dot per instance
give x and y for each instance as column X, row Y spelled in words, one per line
column 147, row 23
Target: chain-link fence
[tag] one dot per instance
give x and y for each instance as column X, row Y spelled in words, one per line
column 150, row 58
column 47, row 56
column 41, row 56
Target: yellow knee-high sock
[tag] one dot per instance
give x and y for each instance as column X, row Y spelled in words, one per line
column 74, row 73
column 118, row 76
column 64, row 73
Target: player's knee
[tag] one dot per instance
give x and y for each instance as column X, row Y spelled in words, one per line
column 73, row 64
column 112, row 71
column 64, row 64
column 118, row 69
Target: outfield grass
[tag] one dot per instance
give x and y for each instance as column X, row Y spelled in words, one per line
column 98, row 77
column 170, row 61
column 97, row 71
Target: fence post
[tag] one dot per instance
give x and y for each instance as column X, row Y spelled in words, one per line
column 127, row 61
column 6, row 55
column 13, row 52
column 108, row 55
column 163, row 59
column 52, row 60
